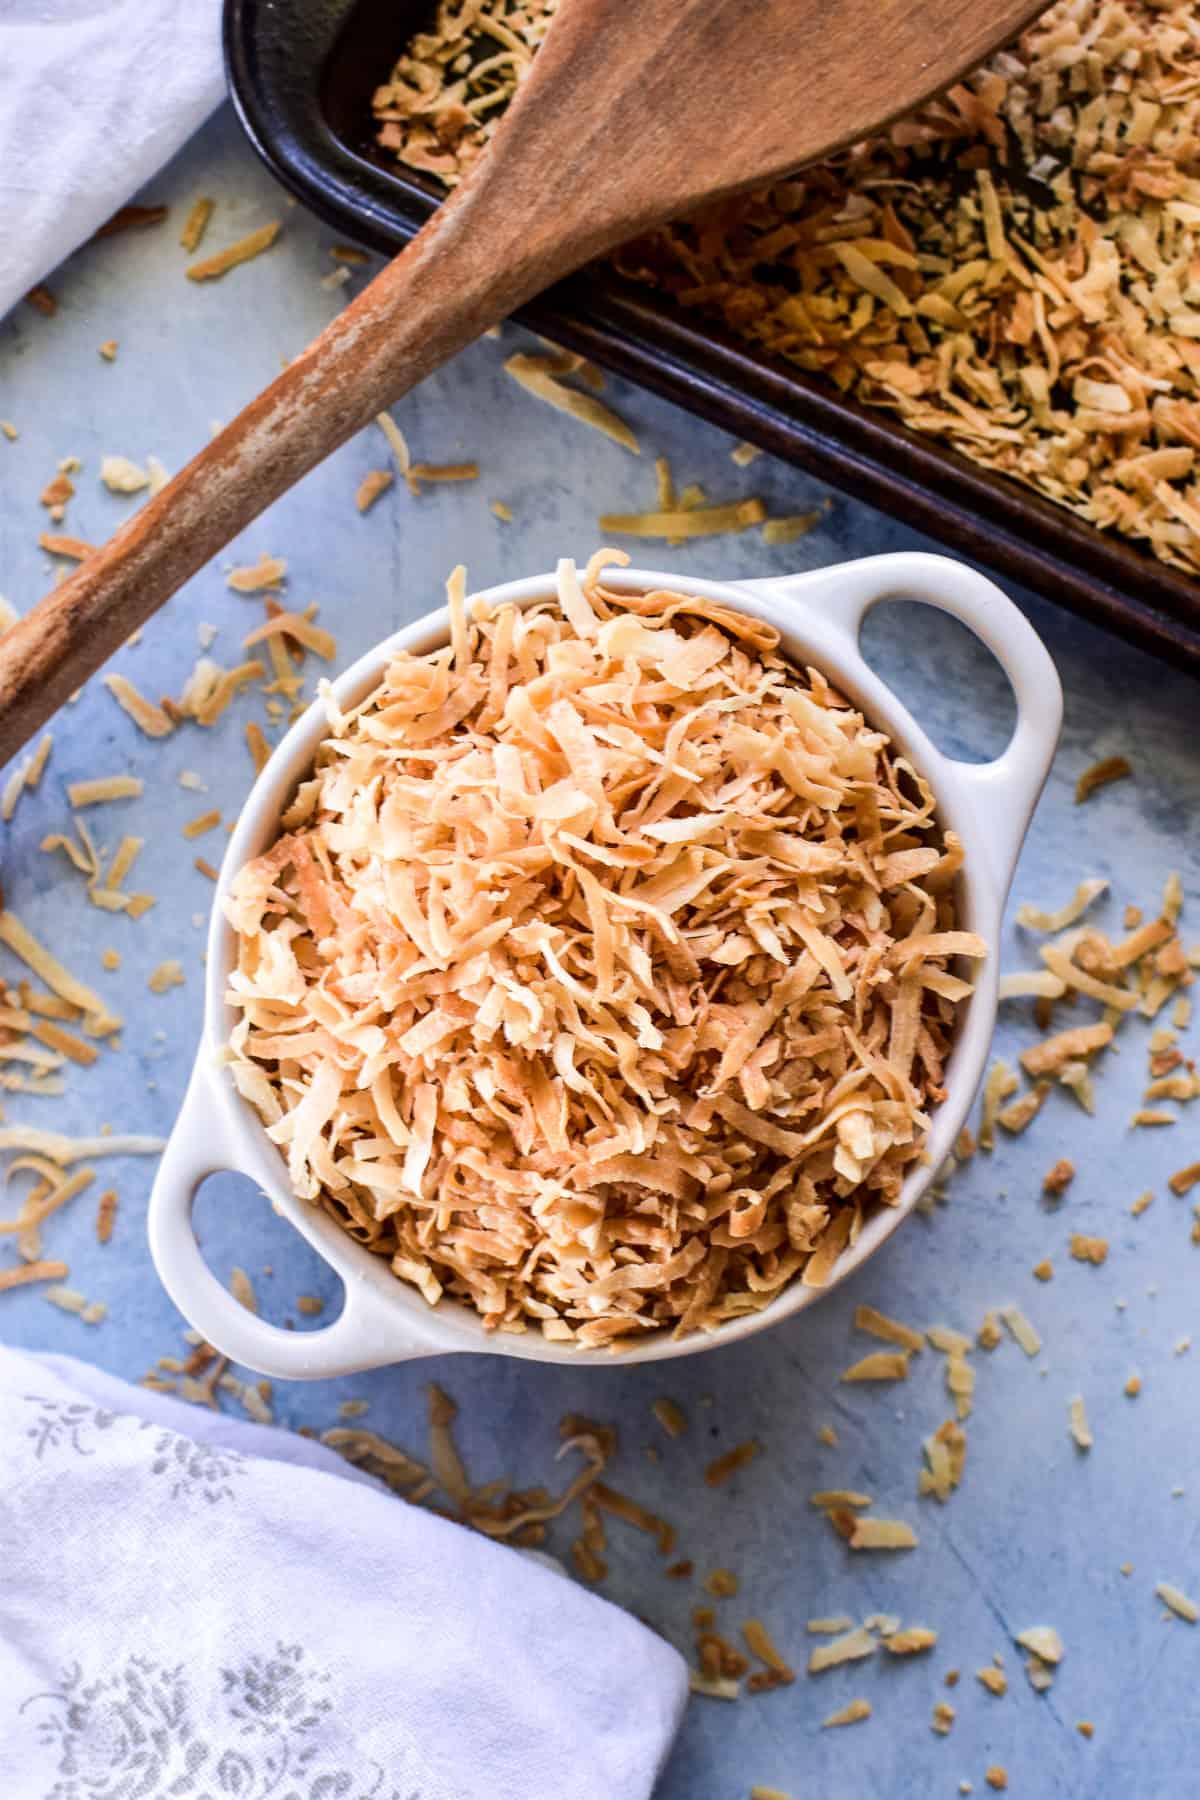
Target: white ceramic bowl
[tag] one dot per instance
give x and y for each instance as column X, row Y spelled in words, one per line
column 818, row 615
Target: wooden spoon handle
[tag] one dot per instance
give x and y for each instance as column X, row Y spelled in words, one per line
column 432, row 300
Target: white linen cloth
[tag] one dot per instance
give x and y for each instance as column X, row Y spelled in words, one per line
column 191, row 1606
column 95, row 96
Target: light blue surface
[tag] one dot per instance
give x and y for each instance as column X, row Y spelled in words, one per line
column 1038, row 1531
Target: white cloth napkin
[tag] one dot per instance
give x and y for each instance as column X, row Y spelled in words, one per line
column 95, row 96
column 197, row 1607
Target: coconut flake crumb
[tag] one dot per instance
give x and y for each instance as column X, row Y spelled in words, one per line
column 1178, row 1602
column 1080, row 1429
column 850, row 1714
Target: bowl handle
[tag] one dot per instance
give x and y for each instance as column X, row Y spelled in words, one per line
column 1006, row 790
column 205, row 1141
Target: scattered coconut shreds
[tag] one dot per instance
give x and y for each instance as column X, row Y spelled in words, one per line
column 1031, row 984
column 1042, row 1641
column 1021, row 1330
column 1110, row 769
column 104, row 787
column 946, row 1453
column 64, row 1151
column 1038, row 918
column 9, row 430
column 1089, row 1249
column 1141, row 1203
column 252, row 245
column 196, row 224
column 542, row 906
column 670, row 1416
column 1080, row 1429
column 106, row 1215
column 166, row 975
column 622, row 1507
column 310, row 1305
column 999, row 1085
column 205, row 868
column 242, row 1289
column 1152, row 1115
column 99, row 1022
column 722, row 1584
column 188, row 778
column 768, row 1793
column 722, row 1467
column 1178, row 1602
column 419, row 472
column 539, row 376
column 120, row 476
column 256, row 743
column 1044, row 1270
column 70, row 1300
column 25, row 1273
column 818, row 1626
column 145, row 714
column 1022, row 1112
column 699, row 521
column 55, row 1038
column 255, row 578
column 944, row 1716
column 56, row 493
column 873, row 1534
column 1048, row 1057
column 373, row 483
column 397, row 442
column 61, row 544
column 911, row 1642
column 744, row 454
column 996, row 1777
column 205, row 821
column 786, row 530
column 994, row 1680
column 299, row 629
column 879, row 1325
column 1059, row 1177
column 1184, row 1180
column 881, row 1365
column 850, row 1714
column 829, row 1497
column 713, row 1687
column 851, row 1646
column 502, row 510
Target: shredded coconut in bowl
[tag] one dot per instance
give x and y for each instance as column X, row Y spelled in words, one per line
column 601, row 976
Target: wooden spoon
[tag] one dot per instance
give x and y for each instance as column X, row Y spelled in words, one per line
column 631, row 114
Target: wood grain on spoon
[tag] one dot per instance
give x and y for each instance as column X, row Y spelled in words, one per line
column 629, row 116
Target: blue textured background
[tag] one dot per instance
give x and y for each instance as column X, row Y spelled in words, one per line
column 1037, row 1532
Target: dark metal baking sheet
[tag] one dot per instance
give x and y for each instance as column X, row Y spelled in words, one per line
column 301, row 74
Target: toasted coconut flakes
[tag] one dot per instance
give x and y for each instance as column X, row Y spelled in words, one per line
column 25, row 1273
column 145, row 714
column 1080, row 1430
column 104, row 787
column 881, row 1365
column 1044, row 1270
column 242, row 1289
column 166, row 975
column 253, row 244
column 536, row 374
column 1021, row 1330
column 1141, row 1203
column 397, row 442
column 866, row 1318
column 138, row 904
column 373, row 483
column 1077, row 1076
column 911, row 1642
column 9, row 430
column 310, row 1305
column 1149, row 1115
column 1042, row 1641
column 1178, row 1602
column 1038, row 918
column 1031, row 984
column 851, row 1646
column 465, row 471
column 1048, row 1057
column 622, row 1507
column 722, row 1584
column 260, row 750
column 55, row 1038
column 300, row 629
column 556, row 999
column 1110, row 768
column 48, row 969
column 1022, row 1112
column 850, row 1714
column 722, row 1467
column 126, row 854
column 265, row 575
column 1184, row 1180
column 827, row 1497
column 1089, row 1249
column 1000, row 1083
column 670, row 1416
column 188, row 778
column 72, row 1301
column 947, row 1340
column 787, row 529
column 61, row 544
column 106, row 1214
column 828, row 1436
column 700, row 521
column 206, row 821
column 996, row 1777
column 502, row 510
column 875, row 1534
column 944, row 1716
column 994, row 1680
column 768, row 1793
column 817, row 1627
column 1059, row 961
column 56, row 493
column 1059, row 1177
column 713, row 1687
column 120, row 476
column 196, row 224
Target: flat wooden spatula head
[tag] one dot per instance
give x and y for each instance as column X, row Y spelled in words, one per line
column 634, row 113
